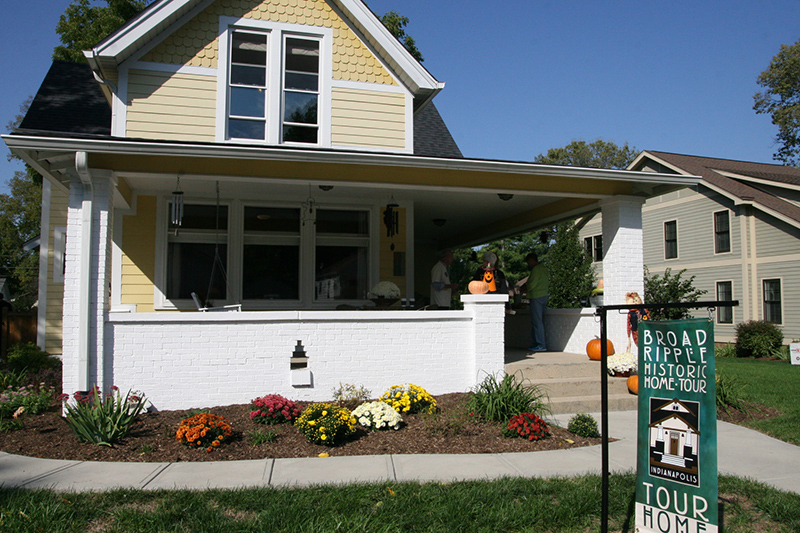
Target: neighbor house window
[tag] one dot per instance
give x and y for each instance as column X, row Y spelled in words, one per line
column 197, row 254
column 772, row 301
column 722, row 232
column 594, row 247
column 341, row 254
column 725, row 293
column 671, row 239
column 273, row 82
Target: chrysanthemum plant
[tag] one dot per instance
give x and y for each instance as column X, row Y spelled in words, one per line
column 409, row 398
column 274, row 409
column 377, row 415
column 326, row 423
column 204, row 431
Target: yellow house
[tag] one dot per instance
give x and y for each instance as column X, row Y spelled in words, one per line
column 279, row 157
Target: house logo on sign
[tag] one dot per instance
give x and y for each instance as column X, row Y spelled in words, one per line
column 674, row 440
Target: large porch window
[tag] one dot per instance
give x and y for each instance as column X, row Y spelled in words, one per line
column 269, row 256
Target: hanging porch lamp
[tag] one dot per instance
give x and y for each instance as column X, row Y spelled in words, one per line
column 177, row 204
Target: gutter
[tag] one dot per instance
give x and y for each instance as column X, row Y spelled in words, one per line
column 267, row 153
column 84, row 281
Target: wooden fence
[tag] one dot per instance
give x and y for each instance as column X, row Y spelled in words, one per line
column 17, row 328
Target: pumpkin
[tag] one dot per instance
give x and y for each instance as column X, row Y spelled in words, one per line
column 478, row 287
column 633, row 384
column 594, row 349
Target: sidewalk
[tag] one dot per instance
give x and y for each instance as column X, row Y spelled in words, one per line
column 741, row 451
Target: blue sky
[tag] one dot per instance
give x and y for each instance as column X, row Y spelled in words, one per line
column 526, row 76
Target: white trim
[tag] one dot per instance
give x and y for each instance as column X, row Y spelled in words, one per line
column 116, row 259
column 664, row 240
column 44, row 253
column 119, row 106
column 173, row 69
column 367, row 86
column 648, row 155
column 59, row 252
column 676, row 202
column 714, row 231
column 779, row 279
column 743, row 177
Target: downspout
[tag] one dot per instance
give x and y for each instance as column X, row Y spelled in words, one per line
column 85, row 279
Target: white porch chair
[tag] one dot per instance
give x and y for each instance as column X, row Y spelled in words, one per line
column 203, row 309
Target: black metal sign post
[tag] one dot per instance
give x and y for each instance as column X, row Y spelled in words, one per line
column 602, row 312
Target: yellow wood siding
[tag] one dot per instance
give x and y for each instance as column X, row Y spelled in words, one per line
column 368, row 118
column 59, row 202
column 196, row 43
column 163, row 105
column 388, row 252
column 138, row 255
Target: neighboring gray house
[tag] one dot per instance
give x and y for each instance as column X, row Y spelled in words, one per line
column 737, row 231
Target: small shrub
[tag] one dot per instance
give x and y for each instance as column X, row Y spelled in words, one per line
column 30, row 358
column 409, row 398
column 326, row 423
column 528, row 426
column 757, row 338
column 349, row 396
column 377, row 415
column 103, row 419
column 729, row 393
column 500, row 400
column 725, row 350
column 204, row 430
column 274, row 409
column 583, row 425
column 257, row 437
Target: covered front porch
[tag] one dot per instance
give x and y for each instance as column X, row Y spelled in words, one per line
column 129, row 271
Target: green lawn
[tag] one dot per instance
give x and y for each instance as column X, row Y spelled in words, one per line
column 530, row 505
column 774, row 384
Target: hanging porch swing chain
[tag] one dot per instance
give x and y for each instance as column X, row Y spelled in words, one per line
column 217, row 259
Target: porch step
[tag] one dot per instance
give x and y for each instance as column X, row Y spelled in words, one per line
column 571, row 381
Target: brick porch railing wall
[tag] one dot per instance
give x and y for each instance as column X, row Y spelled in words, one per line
column 186, row 360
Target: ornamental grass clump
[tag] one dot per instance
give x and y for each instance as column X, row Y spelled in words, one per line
column 274, row 409
column 100, row 418
column 528, row 426
column 326, row 423
column 204, row 431
column 583, row 425
column 350, row 396
column 499, row 400
column 377, row 415
column 409, row 398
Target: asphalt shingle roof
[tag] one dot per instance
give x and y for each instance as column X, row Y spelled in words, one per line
column 712, row 169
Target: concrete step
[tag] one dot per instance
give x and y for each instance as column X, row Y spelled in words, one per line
column 592, row 404
column 571, row 381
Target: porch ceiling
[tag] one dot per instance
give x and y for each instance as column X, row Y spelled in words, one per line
column 463, row 192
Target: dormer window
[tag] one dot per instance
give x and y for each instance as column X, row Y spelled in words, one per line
column 274, row 83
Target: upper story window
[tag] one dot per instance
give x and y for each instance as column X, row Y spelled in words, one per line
column 671, row 239
column 722, row 232
column 273, row 78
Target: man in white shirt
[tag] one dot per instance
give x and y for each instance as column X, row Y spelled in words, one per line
column 441, row 288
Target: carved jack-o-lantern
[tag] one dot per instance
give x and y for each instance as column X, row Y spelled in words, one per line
column 488, row 277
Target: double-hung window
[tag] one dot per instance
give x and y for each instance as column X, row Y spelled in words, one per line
column 671, row 239
column 594, row 247
column 722, row 232
column 725, row 294
column 772, row 301
column 197, row 254
column 274, row 82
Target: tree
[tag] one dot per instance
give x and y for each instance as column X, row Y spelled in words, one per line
column 670, row 288
column 83, row 25
column 396, row 23
column 599, row 154
column 571, row 272
column 781, row 100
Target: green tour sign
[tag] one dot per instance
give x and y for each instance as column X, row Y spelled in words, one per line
column 676, row 480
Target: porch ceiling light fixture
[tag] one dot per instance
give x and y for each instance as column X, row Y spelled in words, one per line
column 326, row 188
column 505, row 196
column 177, row 204
column 439, row 222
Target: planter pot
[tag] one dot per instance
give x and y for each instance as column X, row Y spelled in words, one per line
column 596, row 301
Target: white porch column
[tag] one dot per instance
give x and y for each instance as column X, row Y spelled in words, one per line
column 623, row 259
column 489, row 312
column 86, row 297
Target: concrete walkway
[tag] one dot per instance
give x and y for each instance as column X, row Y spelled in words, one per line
column 742, row 452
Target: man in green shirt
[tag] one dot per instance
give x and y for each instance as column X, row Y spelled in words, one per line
column 538, row 285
